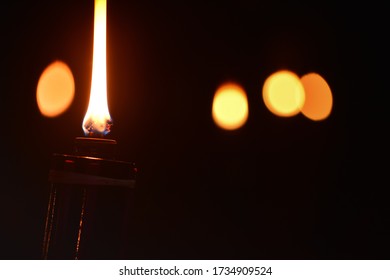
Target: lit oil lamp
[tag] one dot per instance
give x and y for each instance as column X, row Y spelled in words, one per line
column 86, row 216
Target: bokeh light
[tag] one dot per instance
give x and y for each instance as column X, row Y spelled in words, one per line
column 318, row 101
column 230, row 106
column 283, row 93
column 55, row 89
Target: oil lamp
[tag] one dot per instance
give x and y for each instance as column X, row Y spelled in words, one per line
column 90, row 189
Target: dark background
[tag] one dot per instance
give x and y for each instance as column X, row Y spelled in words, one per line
column 278, row 188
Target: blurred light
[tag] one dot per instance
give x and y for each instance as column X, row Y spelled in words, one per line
column 283, row 93
column 97, row 120
column 318, row 101
column 55, row 89
column 230, row 106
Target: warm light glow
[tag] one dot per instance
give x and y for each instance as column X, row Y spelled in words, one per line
column 283, row 93
column 55, row 90
column 97, row 120
column 319, row 100
column 230, row 106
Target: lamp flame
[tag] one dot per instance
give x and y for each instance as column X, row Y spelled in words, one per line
column 97, row 121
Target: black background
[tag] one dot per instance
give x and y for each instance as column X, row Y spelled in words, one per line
column 278, row 188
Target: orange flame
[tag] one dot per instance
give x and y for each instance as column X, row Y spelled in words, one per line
column 97, row 120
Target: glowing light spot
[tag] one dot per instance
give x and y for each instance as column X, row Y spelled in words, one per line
column 230, row 106
column 55, row 89
column 319, row 100
column 283, row 93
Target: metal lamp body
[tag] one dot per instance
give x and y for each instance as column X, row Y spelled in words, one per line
column 89, row 203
